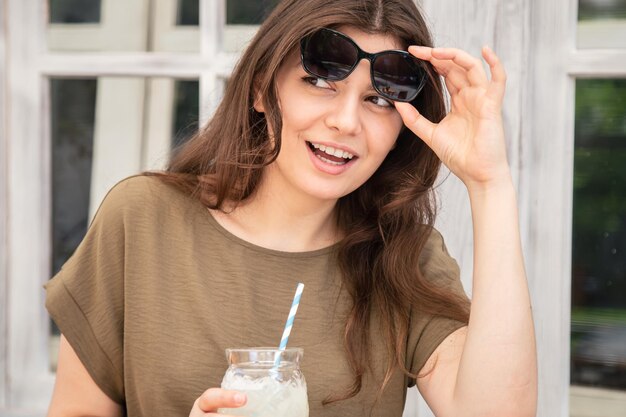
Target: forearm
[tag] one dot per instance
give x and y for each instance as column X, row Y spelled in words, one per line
column 497, row 373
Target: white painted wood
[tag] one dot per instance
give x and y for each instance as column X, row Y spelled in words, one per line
column 21, row 413
column 4, row 250
column 30, row 383
column 535, row 39
column 547, row 175
column 123, row 27
column 141, row 64
column 157, row 137
column 169, row 37
column 117, row 148
column 212, row 21
column 597, row 63
column 211, row 92
column 601, row 33
column 237, row 37
column 411, row 403
column 595, row 402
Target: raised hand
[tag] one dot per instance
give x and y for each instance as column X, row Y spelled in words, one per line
column 470, row 139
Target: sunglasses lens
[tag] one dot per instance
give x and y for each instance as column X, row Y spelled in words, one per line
column 332, row 56
column 398, row 76
column 328, row 55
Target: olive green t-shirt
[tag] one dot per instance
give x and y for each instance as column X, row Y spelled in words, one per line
column 158, row 289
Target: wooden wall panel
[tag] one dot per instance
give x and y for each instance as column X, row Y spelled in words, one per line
column 548, row 177
column 470, row 25
column 535, row 40
column 503, row 25
column 28, row 156
column 3, row 213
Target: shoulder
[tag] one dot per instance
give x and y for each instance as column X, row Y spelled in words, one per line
column 144, row 199
column 144, row 193
column 434, row 243
column 141, row 188
column 435, row 258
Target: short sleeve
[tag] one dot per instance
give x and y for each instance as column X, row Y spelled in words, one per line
column 426, row 332
column 86, row 298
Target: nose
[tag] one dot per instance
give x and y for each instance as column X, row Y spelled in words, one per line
column 345, row 114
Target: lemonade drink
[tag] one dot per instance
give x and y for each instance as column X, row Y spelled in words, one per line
column 273, row 391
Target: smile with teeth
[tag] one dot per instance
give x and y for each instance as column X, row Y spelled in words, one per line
column 321, row 151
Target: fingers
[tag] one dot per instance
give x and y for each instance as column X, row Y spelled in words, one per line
column 215, row 398
column 418, row 124
column 455, row 81
column 461, row 69
column 464, row 61
column 498, row 75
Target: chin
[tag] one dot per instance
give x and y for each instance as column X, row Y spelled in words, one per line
column 325, row 194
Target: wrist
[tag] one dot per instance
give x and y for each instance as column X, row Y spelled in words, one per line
column 499, row 184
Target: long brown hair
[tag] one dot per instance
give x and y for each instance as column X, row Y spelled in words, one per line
column 386, row 222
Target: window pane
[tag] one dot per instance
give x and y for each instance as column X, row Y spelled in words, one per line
column 601, row 9
column 102, row 131
column 188, row 13
column 601, row 23
column 186, row 111
column 598, row 332
column 242, row 20
column 248, row 12
column 72, row 122
column 126, row 26
column 74, row 11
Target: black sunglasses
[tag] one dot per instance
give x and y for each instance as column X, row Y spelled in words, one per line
column 331, row 55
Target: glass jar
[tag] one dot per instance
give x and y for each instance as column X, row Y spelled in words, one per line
column 272, row 380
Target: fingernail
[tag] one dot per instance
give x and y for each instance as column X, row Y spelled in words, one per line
column 240, row 398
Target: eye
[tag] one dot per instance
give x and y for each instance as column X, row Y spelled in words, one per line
column 380, row 101
column 317, row 82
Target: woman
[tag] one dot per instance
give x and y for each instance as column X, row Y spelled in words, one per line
column 318, row 166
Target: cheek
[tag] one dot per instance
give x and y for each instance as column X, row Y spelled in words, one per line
column 300, row 111
column 385, row 132
column 298, row 121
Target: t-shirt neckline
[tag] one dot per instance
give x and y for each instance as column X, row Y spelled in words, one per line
column 267, row 251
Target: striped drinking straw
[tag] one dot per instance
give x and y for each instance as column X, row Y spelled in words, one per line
column 289, row 324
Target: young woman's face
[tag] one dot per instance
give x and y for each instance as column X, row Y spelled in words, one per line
column 335, row 134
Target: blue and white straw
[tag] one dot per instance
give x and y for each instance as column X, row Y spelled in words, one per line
column 290, row 319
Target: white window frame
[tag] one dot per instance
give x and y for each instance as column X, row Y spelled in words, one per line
column 3, row 210
column 26, row 381
column 557, row 61
column 535, row 38
column 118, row 30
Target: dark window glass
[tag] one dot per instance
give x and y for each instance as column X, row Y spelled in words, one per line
column 188, row 13
column 75, row 11
column 73, row 104
column 248, row 12
column 601, row 9
column 598, row 332
column 186, row 110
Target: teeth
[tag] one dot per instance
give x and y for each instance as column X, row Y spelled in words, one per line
column 332, row 151
column 328, row 161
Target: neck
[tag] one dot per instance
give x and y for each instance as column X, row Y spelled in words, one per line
column 276, row 219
